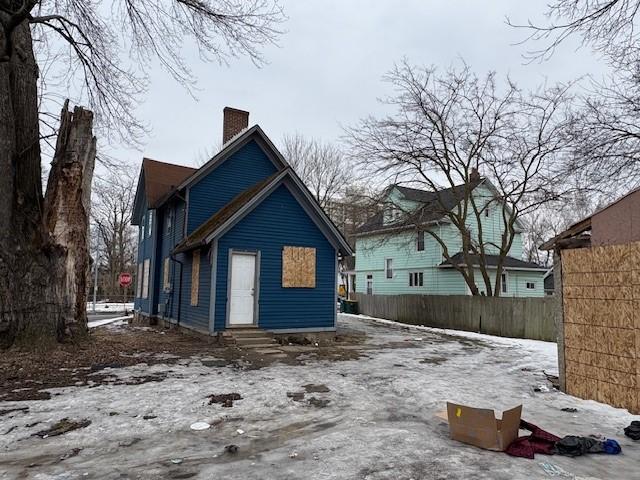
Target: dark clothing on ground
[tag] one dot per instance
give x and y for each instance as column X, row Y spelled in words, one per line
column 572, row 446
column 633, row 430
column 539, row 441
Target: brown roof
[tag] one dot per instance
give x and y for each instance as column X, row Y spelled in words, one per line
column 161, row 178
column 199, row 235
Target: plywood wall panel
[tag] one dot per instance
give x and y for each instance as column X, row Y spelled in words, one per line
column 601, row 308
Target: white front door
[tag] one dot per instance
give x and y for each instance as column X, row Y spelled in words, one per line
column 241, row 301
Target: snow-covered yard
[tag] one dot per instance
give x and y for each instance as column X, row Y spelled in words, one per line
column 378, row 423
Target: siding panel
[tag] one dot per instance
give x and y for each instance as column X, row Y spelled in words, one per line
column 372, row 251
column 277, row 222
column 245, row 168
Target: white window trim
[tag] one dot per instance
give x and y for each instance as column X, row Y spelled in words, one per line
column 387, row 269
column 424, row 243
column 150, row 223
column 139, row 281
column 414, row 279
column 145, row 278
column 504, row 282
column 530, row 283
column 368, row 278
column 169, row 222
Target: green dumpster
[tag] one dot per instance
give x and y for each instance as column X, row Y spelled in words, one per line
column 349, row 306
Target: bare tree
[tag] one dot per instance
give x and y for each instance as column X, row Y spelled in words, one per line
column 321, row 166
column 43, row 258
column 447, row 128
column 606, row 26
column 605, row 129
column 111, row 215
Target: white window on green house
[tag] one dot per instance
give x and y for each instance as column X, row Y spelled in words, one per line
column 388, row 266
column 503, row 283
column 531, row 285
column 420, row 241
column 369, row 284
column 416, row 279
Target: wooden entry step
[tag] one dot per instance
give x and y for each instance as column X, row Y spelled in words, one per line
column 249, row 338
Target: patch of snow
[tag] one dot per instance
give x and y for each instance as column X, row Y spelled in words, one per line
column 107, row 321
column 110, row 307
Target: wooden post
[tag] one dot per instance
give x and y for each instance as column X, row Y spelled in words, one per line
column 559, row 316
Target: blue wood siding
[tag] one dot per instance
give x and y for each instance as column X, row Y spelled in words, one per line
column 145, row 251
column 277, row 222
column 248, row 166
column 195, row 316
column 168, row 239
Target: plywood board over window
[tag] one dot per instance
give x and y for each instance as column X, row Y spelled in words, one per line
column 195, row 277
column 299, row 267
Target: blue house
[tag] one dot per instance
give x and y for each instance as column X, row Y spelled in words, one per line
column 239, row 242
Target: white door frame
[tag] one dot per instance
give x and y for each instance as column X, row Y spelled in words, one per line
column 256, row 287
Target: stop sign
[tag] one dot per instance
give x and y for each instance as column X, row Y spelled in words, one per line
column 125, row 279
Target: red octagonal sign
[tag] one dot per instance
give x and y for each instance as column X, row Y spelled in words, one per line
column 125, row 279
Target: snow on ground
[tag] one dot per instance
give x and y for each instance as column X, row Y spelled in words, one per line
column 107, row 321
column 379, row 423
column 110, row 307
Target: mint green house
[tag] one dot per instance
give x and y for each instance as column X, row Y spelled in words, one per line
column 394, row 257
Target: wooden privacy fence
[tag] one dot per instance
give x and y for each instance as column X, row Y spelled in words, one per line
column 601, row 324
column 505, row 317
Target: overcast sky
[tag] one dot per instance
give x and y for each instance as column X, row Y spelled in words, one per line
column 326, row 71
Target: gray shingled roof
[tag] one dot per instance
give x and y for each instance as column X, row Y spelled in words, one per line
column 492, row 261
column 434, row 209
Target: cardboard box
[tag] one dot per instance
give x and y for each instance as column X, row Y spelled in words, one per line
column 480, row 427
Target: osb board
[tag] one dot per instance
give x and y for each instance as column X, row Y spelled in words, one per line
column 601, row 307
column 298, row 267
column 195, row 277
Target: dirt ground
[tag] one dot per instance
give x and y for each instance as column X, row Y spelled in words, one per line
column 122, row 406
column 27, row 375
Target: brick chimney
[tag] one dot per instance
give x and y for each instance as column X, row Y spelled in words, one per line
column 474, row 176
column 234, row 122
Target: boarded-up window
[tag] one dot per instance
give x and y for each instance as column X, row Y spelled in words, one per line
column 298, row 267
column 195, row 277
column 139, row 282
column 165, row 275
column 145, row 279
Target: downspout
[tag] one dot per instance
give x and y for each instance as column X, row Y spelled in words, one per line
column 173, row 257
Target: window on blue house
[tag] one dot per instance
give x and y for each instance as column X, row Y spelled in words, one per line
column 420, row 241
column 503, row 283
column 150, row 223
column 139, row 279
column 531, row 285
column 145, row 279
column 369, row 284
column 169, row 221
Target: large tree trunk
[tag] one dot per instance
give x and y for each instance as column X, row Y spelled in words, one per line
column 67, row 205
column 34, row 301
